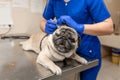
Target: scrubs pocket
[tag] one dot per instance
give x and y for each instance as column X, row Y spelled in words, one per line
column 94, row 49
column 91, row 50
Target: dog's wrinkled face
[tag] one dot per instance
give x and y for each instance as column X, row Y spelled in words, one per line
column 65, row 39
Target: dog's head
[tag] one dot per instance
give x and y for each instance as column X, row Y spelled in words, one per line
column 65, row 39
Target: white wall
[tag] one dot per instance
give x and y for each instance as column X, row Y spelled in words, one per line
column 24, row 20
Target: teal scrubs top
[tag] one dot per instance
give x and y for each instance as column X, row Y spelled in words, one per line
column 83, row 12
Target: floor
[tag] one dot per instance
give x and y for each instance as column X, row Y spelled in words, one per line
column 109, row 70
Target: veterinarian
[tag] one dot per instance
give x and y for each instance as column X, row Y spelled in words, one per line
column 90, row 18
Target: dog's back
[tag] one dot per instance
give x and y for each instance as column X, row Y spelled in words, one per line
column 33, row 43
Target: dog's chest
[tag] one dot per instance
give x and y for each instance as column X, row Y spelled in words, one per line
column 54, row 56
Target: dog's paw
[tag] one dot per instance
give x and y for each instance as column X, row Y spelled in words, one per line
column 25, row 46
column 21, row 43
column 56, row 70
column 84, row 61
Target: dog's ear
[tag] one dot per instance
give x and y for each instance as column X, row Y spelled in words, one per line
column 79, row 39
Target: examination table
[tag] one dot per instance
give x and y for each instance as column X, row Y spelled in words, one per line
column 17, row 64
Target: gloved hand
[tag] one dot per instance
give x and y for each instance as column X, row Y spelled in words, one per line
column 71, row 23
column 50, row 26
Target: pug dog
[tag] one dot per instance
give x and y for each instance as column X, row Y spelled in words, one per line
column 54, row 47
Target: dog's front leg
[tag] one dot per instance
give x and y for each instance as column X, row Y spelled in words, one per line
column 79, row 59
column 46, row 62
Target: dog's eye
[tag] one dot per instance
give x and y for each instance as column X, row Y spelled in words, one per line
column 72, row 40
column 57, row 34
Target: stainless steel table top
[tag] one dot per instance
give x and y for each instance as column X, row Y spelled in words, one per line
column 17, row 64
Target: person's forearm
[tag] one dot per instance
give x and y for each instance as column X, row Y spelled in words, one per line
column 42, row 25
column 97, row 29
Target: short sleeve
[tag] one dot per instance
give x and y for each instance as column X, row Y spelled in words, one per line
column 98, row 10
column 48, row 11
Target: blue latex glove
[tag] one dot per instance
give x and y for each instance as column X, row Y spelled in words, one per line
column 50, row 26
column 71, row 23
